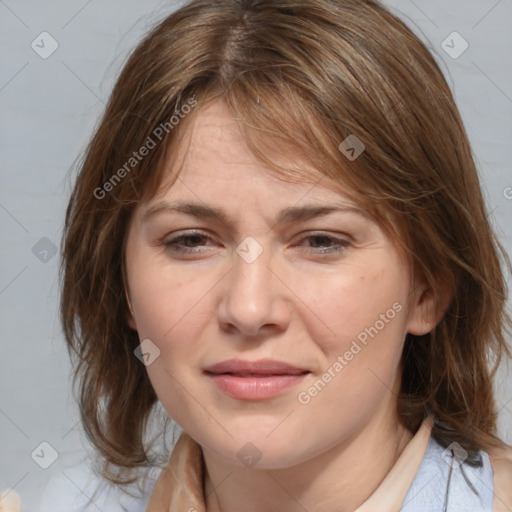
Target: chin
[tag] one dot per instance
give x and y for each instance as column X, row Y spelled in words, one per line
column 252, row 447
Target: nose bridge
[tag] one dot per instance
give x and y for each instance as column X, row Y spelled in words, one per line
column 251, row 277
column 251, row 299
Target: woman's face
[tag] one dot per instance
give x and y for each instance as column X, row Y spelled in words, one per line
column 234, row 264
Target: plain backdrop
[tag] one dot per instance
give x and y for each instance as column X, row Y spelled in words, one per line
column 49, row 108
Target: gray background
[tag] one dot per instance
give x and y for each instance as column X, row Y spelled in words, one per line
column 49, row 108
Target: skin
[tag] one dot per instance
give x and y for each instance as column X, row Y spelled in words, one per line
column 297, row 302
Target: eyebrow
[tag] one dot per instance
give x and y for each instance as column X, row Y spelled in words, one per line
column 291, row 214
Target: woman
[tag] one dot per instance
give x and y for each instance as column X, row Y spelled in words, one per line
column 278, row 234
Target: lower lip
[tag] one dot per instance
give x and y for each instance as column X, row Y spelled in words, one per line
column 253, row 387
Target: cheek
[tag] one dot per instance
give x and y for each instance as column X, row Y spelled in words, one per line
column 170, row 310
column 163, row 298
column 354, row 303
column 366, row 321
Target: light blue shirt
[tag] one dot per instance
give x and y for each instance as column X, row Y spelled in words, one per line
column 428, row 490
column 426, row 494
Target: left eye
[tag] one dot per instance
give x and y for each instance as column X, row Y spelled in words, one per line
column 326, row 244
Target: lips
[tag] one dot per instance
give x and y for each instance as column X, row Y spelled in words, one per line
column 262, row 367
column 257, row 380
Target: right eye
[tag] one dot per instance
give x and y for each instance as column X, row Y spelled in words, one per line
column 189, row 243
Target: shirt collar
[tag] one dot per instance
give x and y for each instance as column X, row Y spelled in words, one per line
column 180, row 485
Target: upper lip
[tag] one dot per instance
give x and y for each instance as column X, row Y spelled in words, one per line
column 260, row 367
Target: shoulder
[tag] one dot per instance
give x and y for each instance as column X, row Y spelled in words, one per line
column 10, row 501
column 501, row 462
column 444, row 474
column 78, row 490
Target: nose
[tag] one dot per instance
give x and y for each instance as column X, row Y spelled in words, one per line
column 255, row 300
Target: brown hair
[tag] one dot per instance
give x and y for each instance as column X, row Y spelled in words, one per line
column 308, row 74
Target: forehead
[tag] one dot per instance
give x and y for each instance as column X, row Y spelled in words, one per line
column 211, row 150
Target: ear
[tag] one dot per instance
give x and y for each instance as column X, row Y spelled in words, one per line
column 130, row 317
column 427, row 309
column 131, row 320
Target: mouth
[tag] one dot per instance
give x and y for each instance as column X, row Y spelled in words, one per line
column 257, row 374
column 265, row 367
column 245, row 380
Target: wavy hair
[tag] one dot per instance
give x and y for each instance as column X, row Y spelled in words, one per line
column 299, row 74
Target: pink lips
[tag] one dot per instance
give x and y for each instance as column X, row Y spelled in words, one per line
column 246, row 380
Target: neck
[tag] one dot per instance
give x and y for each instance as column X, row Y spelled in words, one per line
column 337, row 480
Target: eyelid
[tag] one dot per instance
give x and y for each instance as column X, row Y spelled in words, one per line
column 187, row 233
column 167, row 245
column 304, row 234
column 339, row 243
column 328, row 234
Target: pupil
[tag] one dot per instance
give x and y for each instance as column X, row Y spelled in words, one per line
column 321, row 238
column 194, row 239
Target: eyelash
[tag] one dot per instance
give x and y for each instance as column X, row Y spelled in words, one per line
column 174, row 246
